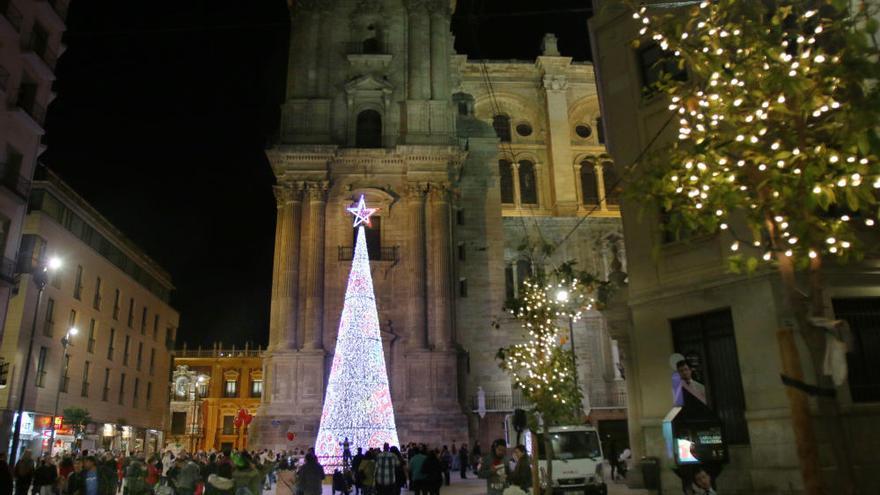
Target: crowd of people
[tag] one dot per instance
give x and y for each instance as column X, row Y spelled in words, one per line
column 386, row 471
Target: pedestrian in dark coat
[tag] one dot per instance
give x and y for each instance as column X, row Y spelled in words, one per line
column 432, row 474
column 463, row 461
column 310, row 476
column 5, row 475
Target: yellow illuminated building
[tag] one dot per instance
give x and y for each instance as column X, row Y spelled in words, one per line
column 210, row 388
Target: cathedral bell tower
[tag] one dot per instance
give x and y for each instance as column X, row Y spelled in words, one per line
column 368, row 111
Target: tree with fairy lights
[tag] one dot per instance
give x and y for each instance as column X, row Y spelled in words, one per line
column 777, row 146
column 357, row 405
column 541, row 367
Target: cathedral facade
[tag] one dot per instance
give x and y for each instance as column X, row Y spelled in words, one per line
column 465, row 160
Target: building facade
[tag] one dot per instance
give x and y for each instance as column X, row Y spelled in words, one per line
column 209, row 388
column 462, row 171
column 30, row 42
column 117, row 363
column 681, row 298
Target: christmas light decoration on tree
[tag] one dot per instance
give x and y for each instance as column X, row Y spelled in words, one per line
column 776, row 125
column 357, row 404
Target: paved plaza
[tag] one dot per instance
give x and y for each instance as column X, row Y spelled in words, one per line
column 476, row 486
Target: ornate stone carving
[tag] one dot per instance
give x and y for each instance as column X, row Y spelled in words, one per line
column 317, row 191
column 438, row 191
column 286, row 193
column 555, row 82
column 415, row 191
column 549, row 46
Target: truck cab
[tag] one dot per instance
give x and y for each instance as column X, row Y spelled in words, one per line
column 577, row 456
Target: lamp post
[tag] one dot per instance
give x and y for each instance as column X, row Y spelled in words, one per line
column 41, row 278
column 65, row 342
column 196, row 395
column 562, row 297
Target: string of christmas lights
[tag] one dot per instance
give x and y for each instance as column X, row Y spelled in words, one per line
column 768, row 129
column 540, row 366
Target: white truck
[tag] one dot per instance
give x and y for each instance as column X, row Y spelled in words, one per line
column 577, row 456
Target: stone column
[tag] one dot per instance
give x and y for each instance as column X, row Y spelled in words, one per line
column 417, row 331
column 556, row 94
column 514, row 166
column 285, row 286
column 419, row 49
column 440, row 50
column 600, row 186
column 439, row 269
column 314, row 256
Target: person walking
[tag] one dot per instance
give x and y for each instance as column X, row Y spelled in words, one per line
column 446, row 463
column 24, row 473
column 367, row 473
column 494, row 468
column 310, row 475
column 92, row 480
column 188, row 476
column 387, row 464
column 45, row 477
column 221, row 482
column 521, row 475
column 416, row 475
column 248, row 479
column 476, row 456
column 355, row 464
column 463, row 461
column 136, row 478
column 613, row 458
column 432, row 474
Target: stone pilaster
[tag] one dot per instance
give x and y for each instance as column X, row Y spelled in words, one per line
column 439, row 269
column 555, row 85
column 314, row 309
column 419, row 49
column 285, row 286
column 440, row 50
column 417, row 335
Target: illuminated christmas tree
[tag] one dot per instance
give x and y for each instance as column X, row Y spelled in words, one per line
column 357, row 404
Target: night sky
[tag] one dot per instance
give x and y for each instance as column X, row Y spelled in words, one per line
column 163, row 112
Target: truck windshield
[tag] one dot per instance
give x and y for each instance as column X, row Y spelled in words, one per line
column 571, row 445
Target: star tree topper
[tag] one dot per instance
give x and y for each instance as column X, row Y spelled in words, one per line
column 362, row 213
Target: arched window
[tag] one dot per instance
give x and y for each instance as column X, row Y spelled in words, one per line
column 612, row 184
column 528, row 184
column 589, row 185
column 369, row 129
column 505, row 172
column 501, row 123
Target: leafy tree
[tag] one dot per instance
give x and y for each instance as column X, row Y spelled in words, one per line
column 540, row 366
column 777, row 146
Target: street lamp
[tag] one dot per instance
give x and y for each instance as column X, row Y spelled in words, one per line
column 65, row 342
column 41, row 278
column 562, row 297
column 195, row 434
